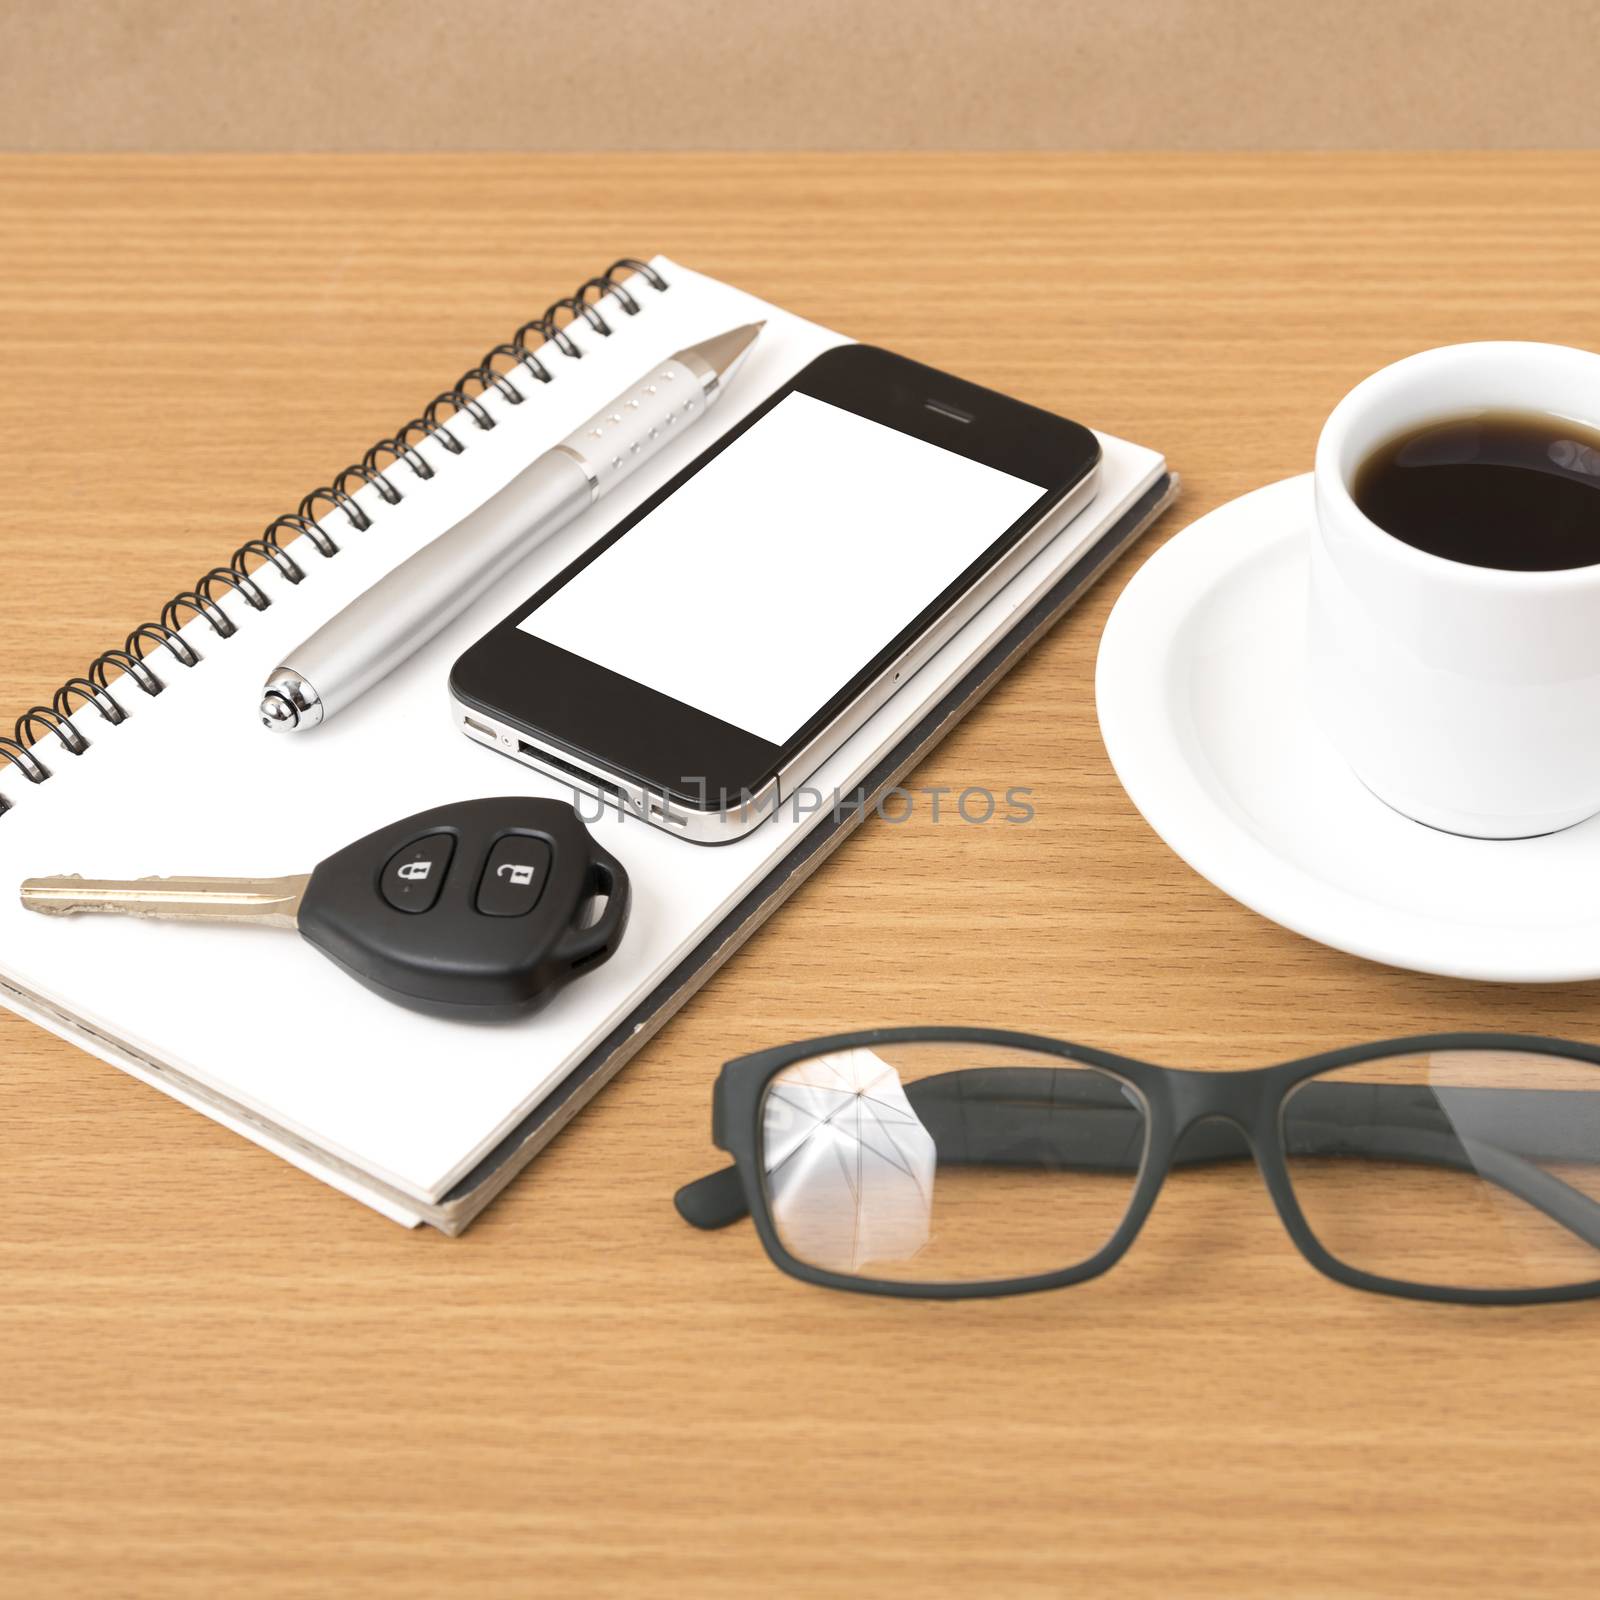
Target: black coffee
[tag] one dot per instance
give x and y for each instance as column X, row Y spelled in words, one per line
column 1505, row 489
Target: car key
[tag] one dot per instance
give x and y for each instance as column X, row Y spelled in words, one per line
column 477, row 911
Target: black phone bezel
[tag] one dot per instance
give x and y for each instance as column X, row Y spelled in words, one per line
column 699, row 762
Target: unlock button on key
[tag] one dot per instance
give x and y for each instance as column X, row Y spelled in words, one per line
column 515, row 876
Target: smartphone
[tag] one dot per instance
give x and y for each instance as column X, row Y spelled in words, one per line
column 706, row 655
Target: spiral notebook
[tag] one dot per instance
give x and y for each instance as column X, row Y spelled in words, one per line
column 153, row 761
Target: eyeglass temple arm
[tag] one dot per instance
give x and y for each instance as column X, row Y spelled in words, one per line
column 714, row 1201
column 1069, row 1118
column 1005, row 1130
column 987, row 1139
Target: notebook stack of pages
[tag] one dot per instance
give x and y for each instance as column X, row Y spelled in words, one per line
column 422, row 1118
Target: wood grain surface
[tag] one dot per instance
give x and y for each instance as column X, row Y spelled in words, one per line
column 274, row 75
column 221, row 1377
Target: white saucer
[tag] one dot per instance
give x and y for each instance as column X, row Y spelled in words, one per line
column 1203, row 707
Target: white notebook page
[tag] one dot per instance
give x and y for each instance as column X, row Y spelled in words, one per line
column 191, row 783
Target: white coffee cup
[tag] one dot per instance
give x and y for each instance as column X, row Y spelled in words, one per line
column 1466, row 697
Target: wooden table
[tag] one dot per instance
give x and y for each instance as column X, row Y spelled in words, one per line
column 221, row 1377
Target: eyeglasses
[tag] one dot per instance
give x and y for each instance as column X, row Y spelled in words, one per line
column 960, row 1162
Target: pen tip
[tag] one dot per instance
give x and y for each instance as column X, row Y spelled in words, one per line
column 724, row 354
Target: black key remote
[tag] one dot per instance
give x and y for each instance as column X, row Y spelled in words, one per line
column 480, row 910
column 477, row 911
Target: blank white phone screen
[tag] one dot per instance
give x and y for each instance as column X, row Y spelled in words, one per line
column 777, row 572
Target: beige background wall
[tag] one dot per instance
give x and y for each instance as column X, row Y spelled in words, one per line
column 717, row 74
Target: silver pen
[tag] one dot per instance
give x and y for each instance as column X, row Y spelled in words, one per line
column 375, row 633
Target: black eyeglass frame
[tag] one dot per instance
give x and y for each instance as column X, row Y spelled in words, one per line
column 1174, row 1100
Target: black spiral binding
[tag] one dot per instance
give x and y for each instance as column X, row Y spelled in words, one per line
column 373, row 470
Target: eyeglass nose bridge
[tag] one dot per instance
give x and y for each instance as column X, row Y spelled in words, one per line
column 1234, row 1097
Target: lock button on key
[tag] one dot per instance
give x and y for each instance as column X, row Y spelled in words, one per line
column 414, row 876
column 513, row 880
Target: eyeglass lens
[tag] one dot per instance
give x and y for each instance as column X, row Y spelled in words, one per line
column 1474, row 1169
column 948, row 1162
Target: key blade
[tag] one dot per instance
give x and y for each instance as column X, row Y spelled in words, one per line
column 268, row 902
